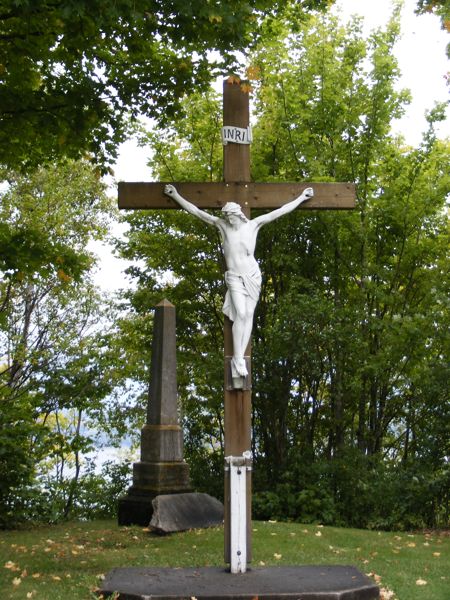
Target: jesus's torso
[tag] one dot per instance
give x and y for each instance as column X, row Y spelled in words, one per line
column 239, row 246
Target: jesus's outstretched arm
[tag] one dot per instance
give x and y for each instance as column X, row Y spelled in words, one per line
column 285, row 209
column 171, row 191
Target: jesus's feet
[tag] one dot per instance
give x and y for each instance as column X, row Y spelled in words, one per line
column 240, row 367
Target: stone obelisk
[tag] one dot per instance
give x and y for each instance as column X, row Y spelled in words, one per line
column 162, row 469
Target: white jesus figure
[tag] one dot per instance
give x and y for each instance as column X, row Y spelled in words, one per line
column 243, row 276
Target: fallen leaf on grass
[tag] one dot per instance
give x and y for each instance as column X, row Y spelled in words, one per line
column 386, row 594
column 16, row 581
column 318, row 533
column 421, row 582
column 11, row 566
column 411, row 545
column 262, row 563
column 36, row 575
column 436, row 554
column 277, row 556
column 56, row 578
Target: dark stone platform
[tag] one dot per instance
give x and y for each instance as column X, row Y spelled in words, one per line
column 215, row 583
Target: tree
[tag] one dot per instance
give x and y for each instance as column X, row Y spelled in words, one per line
column 53, row 362
column 73, row 73
column 348, row 310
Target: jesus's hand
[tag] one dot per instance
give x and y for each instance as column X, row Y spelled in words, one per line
column 170, row 190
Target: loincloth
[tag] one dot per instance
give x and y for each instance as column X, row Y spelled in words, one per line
column 248, row 284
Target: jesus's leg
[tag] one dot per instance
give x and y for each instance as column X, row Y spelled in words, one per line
column 240, row 331
column 248, row 322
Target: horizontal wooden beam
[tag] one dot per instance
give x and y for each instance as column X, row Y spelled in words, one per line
column 327, row 196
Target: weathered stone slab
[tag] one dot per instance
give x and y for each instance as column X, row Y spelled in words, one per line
column 214, row 583
column 179, row 512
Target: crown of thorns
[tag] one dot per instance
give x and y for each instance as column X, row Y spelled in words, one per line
column 233, row 208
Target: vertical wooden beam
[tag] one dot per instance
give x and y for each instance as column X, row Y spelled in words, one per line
column 236, row 112
column 237, row 405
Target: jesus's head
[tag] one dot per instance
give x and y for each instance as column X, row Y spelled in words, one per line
column 231, row 210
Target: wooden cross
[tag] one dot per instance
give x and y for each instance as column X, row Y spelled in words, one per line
column 236, row 187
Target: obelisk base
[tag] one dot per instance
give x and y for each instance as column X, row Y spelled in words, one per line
column 151, row 480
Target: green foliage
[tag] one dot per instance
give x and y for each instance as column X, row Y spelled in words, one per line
column 55, row 370
column 74, row 72
column 97, row 494
column 348, row 341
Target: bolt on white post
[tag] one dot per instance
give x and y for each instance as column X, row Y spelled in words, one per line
column 238, row 467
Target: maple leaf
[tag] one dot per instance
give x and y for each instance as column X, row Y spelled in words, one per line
column 386, row 594
column 246, row 88
column 234, row 79
column 16, row 581
column 253, row 72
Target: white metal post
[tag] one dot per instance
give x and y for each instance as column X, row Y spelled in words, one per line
column 238, row 466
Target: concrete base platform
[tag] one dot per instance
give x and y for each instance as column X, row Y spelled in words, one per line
column 215, row 583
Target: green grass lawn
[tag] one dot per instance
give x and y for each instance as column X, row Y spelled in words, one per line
column 68, row 561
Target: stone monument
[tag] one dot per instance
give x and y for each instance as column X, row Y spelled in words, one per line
column 161, row 469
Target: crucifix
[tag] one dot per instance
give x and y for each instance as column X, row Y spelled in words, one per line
column 236, row 196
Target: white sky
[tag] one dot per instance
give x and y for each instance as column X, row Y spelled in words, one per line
column 423, row 64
